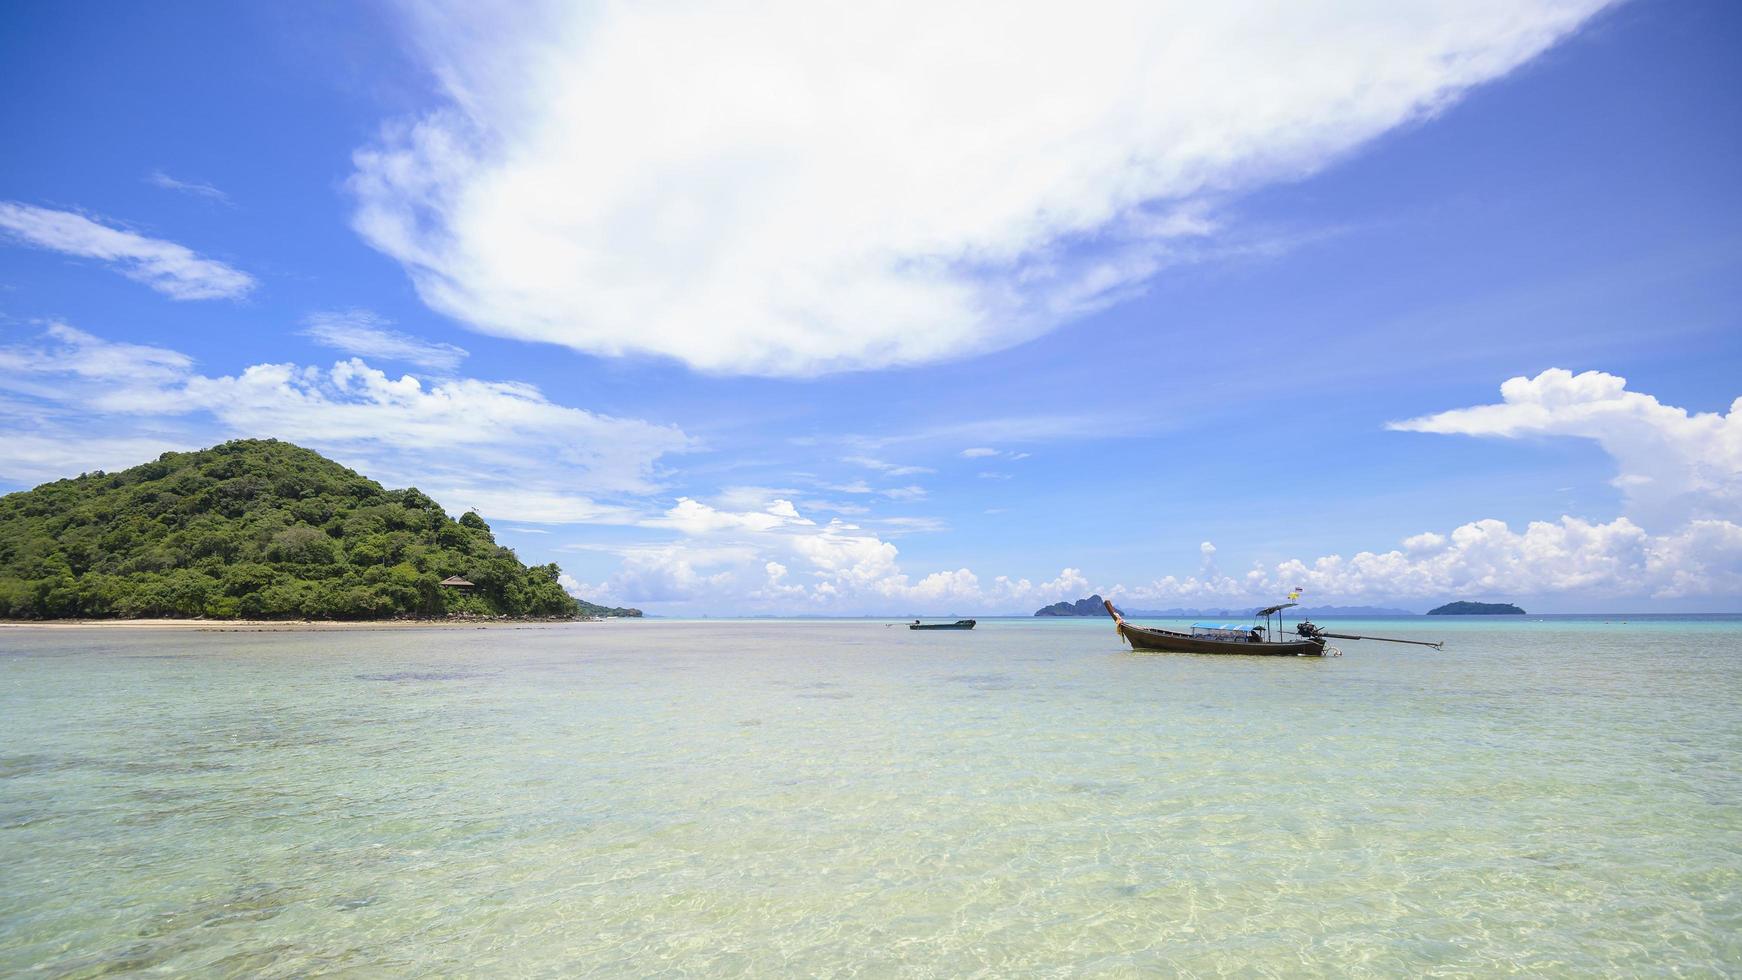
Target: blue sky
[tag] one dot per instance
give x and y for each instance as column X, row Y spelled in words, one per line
column 833, row 311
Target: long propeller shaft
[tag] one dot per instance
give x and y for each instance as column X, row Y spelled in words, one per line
column 1383, row 639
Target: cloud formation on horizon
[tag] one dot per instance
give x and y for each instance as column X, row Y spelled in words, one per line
column 722, row 559
column 1683, row 469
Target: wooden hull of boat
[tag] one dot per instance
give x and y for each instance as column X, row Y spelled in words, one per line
column 964, row 624
column 1147, row 638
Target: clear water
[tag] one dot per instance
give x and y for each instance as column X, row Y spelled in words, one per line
column 737, row 798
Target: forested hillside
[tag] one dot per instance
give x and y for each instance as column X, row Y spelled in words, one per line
column 254, row 529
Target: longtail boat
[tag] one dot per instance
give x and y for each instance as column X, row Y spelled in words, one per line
column 960, row 624
column 1254, row 640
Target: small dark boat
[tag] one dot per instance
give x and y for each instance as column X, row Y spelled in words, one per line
column 960, row 624
column 1251, row 640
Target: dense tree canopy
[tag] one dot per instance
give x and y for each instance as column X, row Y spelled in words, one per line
column 254, row 529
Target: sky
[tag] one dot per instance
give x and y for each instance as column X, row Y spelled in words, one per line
column 900, row 309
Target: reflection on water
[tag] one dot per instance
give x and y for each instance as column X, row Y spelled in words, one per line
column 744, row 798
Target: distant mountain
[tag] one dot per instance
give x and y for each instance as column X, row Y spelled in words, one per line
column 261, row 529
column 597, row 611
column 1092, row 606
column 1477, row 609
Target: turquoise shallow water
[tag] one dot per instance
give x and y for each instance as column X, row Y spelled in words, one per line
column 741, row 798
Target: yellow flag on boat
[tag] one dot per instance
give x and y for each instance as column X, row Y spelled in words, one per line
column 1294, row 595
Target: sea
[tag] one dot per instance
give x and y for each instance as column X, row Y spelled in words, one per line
column 1545, row 796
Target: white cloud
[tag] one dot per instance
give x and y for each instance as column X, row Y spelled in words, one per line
column 1070, row 585
column 794, row 188
column 909, row 525
column 694, row 517
column 1674, row 466
column 171, row 269
column 158, row 178
column 887, row 468
column 776, row 587
column 584, row 590
column 983, row 452
column 1424, row 542
column 496, row 445
column 366, row 334
column 767, row 557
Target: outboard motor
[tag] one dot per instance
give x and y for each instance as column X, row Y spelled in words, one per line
column 1308, row 631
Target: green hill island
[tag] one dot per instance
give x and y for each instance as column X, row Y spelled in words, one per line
column 258, row 529
column 1476, row 609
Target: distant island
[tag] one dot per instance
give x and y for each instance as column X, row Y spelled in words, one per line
column 258, row 529
column 1476, row 609
column 1092, row 606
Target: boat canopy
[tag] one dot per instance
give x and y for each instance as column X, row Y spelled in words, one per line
column 1273, row 610
column 1232, row 627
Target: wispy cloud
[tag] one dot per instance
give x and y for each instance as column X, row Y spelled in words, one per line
column 908, row 202
column 981, row 433
column 173, row 270
column 910, row 525
column 158, row 178
column 983, row 452
column 887, row 468
column 366, row 334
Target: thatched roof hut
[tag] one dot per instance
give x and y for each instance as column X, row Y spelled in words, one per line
column 456, row 582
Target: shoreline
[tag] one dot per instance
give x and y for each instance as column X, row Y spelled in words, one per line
column 283, row 625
